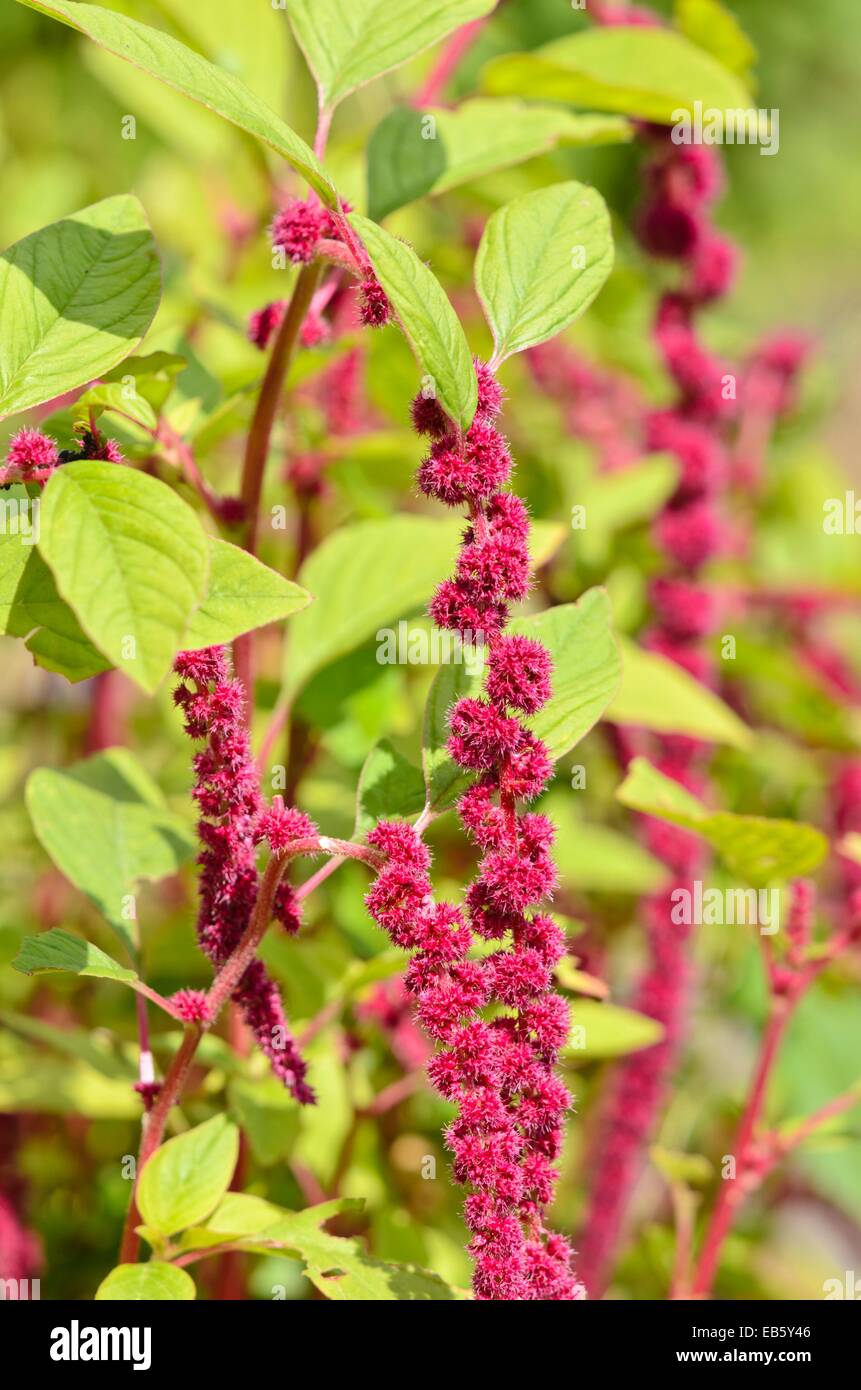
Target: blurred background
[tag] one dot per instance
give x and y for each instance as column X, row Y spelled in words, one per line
column 67, row 1111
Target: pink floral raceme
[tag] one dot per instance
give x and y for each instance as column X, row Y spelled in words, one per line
column 500, row 1025
column 33, row 457
column 233, row 821
column 681, row 184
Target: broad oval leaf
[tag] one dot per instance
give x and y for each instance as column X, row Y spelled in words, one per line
column 647, row 73
column 242, row 594
column 657, row 694
column 30, row 606
column 403, row 163
column 586, row 667
column 608, row 1030
column 154, row 1282
column 76, row 297
column 389, row 787
column 713, row 27
column 445, row 780
column 757, row 849
column 483, row 135
column 185, row 70
column 408, row 157
column 363, row 576
column 350, row 42
column 542, row 260
column 432, row 327
column 106, row 826
column 596, row 858
column 186, row 1178
column 60, row 950
column 130, row 558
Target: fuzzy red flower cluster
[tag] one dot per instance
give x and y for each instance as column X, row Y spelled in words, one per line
column 32, row 457
column 299, row 229
column 500, row 1025
column 233, row 821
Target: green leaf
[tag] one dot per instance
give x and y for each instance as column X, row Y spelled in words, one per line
column 711, row 26
column 542, row 260
column 403, row 162
column 586, row 667
column 115, row 397
column 106, row 826
column 30, row 606
column 338, row 1266
column 431, row 326
column 136, row 390
column 650, row 74
column 130, row 557
column 431, row 151
column 183, row 1182
column 756, row 849
column 608, row 1030
column 186, row 71
column 586, row 672
column 568, row 977
column 615, row 500
column 242, row 594
column 445, row 780
column 389, row 786
column 59, row 950
column 657, row 694
column 154, row 1282
column 342, row 1270
column 268, row 1116
column 350, row 42
column 76, row 297
column 247, row 40
column 595, row 858
column 362, row 577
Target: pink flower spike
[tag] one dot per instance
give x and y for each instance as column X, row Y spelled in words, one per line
column 32, row 452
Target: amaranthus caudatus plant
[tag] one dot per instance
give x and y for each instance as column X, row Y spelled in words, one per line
column 286, row 548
